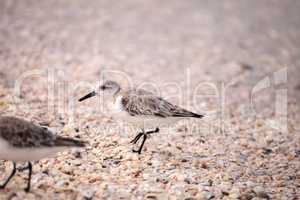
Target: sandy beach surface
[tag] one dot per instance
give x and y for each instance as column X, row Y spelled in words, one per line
column 237, row 62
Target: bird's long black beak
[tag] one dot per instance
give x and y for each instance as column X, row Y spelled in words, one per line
column 89, row 95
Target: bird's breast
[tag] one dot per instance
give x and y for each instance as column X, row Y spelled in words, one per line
column 117, row 105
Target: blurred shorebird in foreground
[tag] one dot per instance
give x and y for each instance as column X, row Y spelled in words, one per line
column 24, row 141
column 142, row 108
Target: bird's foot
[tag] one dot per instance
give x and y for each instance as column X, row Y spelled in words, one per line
column 153, row 131
column 156, row 130
column 27, row 189
column 137, row 151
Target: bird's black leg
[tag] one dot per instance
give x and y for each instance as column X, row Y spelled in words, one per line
column 27, row 189
column 141, row 147
column 10, row 176
column 139, row 135
column 144, row 134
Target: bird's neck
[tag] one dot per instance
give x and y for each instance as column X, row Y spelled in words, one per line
column 117, row 92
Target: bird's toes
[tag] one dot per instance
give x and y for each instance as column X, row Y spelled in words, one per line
column 136, row 151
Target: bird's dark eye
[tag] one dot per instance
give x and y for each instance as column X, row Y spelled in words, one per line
column 103, row 87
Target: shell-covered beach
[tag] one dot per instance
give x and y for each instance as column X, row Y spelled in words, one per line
column 236, row 62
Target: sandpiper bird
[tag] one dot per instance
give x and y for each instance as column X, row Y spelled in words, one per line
column 24, row 141
column 141, row 108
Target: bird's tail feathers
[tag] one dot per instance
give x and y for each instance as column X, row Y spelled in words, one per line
column 197, row 115
column 185, row 113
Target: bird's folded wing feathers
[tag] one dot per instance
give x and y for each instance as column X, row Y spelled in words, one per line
column 136, row 104
column 23, row 134
column 20, row 133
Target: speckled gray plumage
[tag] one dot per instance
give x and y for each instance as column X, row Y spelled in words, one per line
column 23, row 134
column 142, row 102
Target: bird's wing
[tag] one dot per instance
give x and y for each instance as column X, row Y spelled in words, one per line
column 148, row 104
column 20, row 133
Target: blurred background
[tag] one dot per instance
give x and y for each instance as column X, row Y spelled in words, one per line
column 219, row 42
column 230, row 42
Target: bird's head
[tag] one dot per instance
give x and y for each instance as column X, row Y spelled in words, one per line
column 108, row 87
